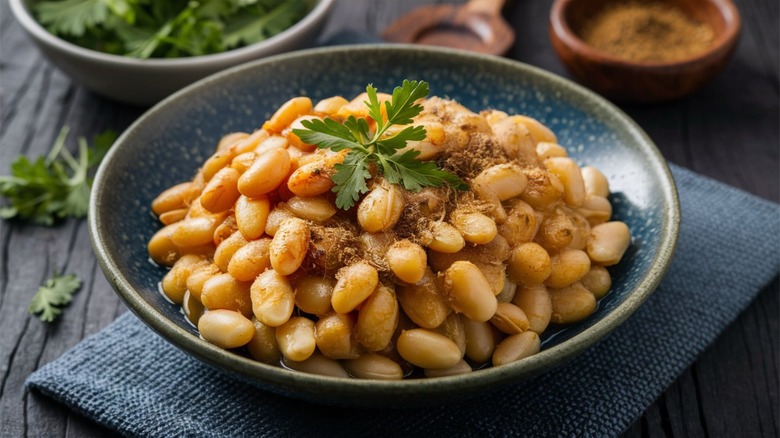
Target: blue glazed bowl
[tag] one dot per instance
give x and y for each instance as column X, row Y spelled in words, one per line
column 168, row 144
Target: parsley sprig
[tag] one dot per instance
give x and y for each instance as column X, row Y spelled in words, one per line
column 55, row 186
column 53, row 295
column 397, row 166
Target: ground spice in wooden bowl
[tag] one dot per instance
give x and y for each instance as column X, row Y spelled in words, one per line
column 644, row 50
column 647, row 31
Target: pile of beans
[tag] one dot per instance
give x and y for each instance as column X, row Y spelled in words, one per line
column 477, row 287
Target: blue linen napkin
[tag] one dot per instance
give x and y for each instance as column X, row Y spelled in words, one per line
column 129, row 379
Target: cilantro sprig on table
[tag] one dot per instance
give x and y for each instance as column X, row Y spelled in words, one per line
column 55, row 186
column 169, row 28
column 397, row 166
column 53, row 295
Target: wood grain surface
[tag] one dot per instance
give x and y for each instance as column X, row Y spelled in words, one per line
column 728, row 131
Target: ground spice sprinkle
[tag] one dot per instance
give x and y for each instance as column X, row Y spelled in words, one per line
column 647, row 31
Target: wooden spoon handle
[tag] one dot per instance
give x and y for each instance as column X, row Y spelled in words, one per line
column 486, row 7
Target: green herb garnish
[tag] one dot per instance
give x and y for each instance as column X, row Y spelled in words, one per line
column 167, row 28
column 55, row 186
column 365, row 148
column 53, row 295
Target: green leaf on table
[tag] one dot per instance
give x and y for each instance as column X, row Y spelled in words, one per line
column 55, row 293
column 55, row 186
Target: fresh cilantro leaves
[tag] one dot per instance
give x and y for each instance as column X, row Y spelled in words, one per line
column 55, row 186
column 365, row 147
column 169, row 28
column 53, row 295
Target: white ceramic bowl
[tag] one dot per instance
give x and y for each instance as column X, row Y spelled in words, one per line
column 147, row 81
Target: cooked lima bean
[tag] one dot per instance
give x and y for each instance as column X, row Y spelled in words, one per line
column 174, row 283
column 294, row 139
column 380, row 209
column 520, row 225
column 597, row 281
column 596, row 209
column 161, row 247
column 227, row 249
column 474, row 227
column 505, row 180
column 377, row 319
column 272, row 298
column 407, row 260
column 529, row 264
column 192, row 308
column 536, row 304
column 250, row 260
column 428, row 349
column 296, row 338
column 373, row 366
column 330, row 105
column 263, row 346
column 452, row 327
column 269, row 170
column 516, row 347
column 556, row 230
column 198, row 278
column 424, row 302
column 226, row 328
column 289, row 111
column 354, row 284
column 480, row 340
column 446, row 238
column 547, row 150
column 317, row 364
column 315, row 209
column 596, row 183
column 568, row 172
column 251, row 216
column 335, row 338
column 567, row 267
column 194, row 232
column 289, row 246
column 314, row 179
column 222, row 291
column 276, row 218
column 173, row 216
column 462, row 367
column 608, row 242
column 176, row 197
column 571, row 304
column 313, row 294
column 469, row 292
column 221, row 192
column 510, row 319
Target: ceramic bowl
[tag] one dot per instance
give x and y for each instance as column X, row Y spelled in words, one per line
column 168, row 143
column 644, row 82
column 147, row 81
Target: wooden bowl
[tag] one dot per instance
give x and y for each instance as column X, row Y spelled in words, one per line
column 633, row 81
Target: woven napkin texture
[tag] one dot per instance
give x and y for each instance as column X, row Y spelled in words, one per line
column 129, row 379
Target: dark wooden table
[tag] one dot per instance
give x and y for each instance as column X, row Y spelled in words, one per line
column 728, row 131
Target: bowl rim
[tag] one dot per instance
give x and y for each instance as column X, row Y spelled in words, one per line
column 24, row 16
column 347, row 391
column 560, row 28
